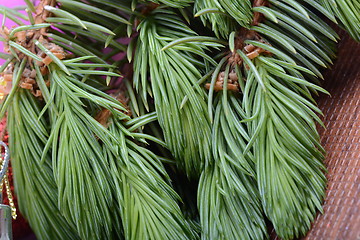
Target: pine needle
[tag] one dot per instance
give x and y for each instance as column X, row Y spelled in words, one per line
column 173, row 76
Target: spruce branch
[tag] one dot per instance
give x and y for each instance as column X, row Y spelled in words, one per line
column 279, row 110
column 223, row 14
column 79, row 167
column 147, row 203
column 229, row 201
column 347, row 12
column 174, row 74
column 309, row 42
column 239, row 10
column 34, row 180
column 78, row 150
column 175, row 3
column 284, row 116
column 82, row 162
column 211, row 11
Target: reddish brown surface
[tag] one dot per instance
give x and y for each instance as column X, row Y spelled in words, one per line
column 341, row 139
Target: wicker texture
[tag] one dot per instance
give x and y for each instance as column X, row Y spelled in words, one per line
column 341, row 139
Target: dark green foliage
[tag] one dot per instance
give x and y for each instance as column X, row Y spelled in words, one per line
column 34, row 179
column 179, row 101
column 290, row 176
column 148, row 205
column 84, row 168
column 175, row 3
column 229, row 200
column 289, row 166
column 346, row 13
column 79, row 167
column 211, row 10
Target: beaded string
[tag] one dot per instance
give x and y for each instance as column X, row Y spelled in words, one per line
column 10, row 197
column 4, row 162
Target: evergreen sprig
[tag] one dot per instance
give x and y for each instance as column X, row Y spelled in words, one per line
column 347, row 12
column 179, row 100
column 89, row 170
column 34, row 179
column 290, row 178
column 221, row 22
column 174, row 3
column 229, row 200
column 83, row 186
column 83, row 165
column 147, row 203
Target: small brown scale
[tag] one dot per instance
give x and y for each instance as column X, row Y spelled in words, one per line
column 250, row 50
column 26, row 40
column 103, row 116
